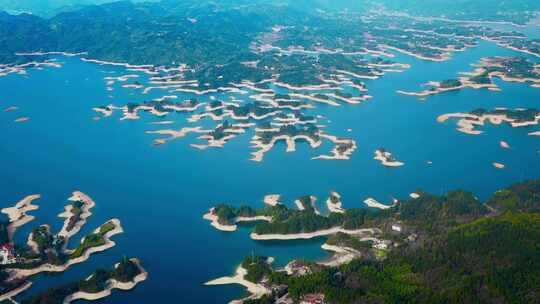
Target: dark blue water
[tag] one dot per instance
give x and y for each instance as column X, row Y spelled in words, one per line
column 160, row 193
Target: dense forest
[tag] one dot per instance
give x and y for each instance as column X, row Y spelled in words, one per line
column 125, row 271
column 290, row 221
column 480, row 257
column 205, row 33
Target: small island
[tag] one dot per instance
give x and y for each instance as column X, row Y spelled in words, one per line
column 334, row 204
column 386, row 158
column 516, row 118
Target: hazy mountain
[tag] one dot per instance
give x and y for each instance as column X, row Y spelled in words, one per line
column 48, row 8
column 518, row 11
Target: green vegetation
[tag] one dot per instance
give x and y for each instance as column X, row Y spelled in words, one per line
column 512, row 67
column 519, row 115
column 227, row 214
column 49, row 247
column 257, row 267
column 45, row 249
column 42, row 237
column 93, row 240
column 309, row 130
column 520, row 197
column 308, row 221
column 334, row 199
column 126, row 271
column 50, row 7
column 345, row 240
column 433, row 213
column 360, row 281
column 289, row 221
column 216, row 38
column 475, row 259
column 76, row 211
column 482, row 78
column 508, row 67
column 450, row 83
column 53, row 296
column 96, row 282
column 4, row 237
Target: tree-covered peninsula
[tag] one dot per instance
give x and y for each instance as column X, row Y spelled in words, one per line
column 442, row 249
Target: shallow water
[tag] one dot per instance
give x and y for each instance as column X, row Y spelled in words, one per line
column 160, row 193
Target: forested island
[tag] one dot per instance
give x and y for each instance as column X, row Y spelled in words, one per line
column 510, row 69
column 281, row 222
column 48, row 252
column 469, row 122
column 439, row 249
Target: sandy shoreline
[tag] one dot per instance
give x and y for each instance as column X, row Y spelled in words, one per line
column 335, row 207
column 482, row 68
column 468, row 122
column 175, row 134
column 18, row 214
column 312, row 200
column 256, row 290
column 504, row 144
column 373, row 203
column 444, row 57
column 111, row 285
column 210, row 216
column 307, row 235
column 498, row 165
column 88, row 204
column 386, row 159
column 272, row 199
column 24, row 273
column 290, row 140
column 336, row 153
column 342, row 255
column 11, row 109
column 214, row 220
column 12, row 293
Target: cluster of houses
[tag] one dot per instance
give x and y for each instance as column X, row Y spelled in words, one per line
column 313, row 298
column 7, row 254
column 297, row 269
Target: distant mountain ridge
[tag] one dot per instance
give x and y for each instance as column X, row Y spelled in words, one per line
column 159, row 33
column 48, row 8
column 516, row 11
column 162, row 31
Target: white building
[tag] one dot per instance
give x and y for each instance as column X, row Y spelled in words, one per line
column 382, row 244
column 6, row 255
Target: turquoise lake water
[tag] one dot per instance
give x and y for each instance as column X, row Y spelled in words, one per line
column 161, row 193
